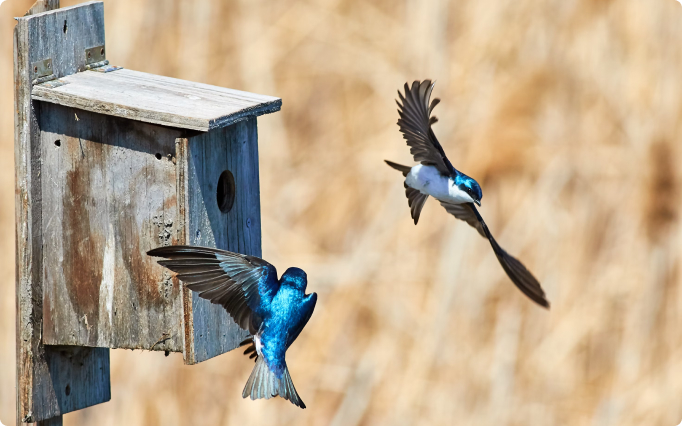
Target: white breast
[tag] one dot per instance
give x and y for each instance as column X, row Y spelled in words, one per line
column 428, row 180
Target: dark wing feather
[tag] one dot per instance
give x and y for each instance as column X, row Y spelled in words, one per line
column 415, row 124
column 242, row 284
column 464, row 212
column 306, row 308
column 415, row 200
column 518, row 273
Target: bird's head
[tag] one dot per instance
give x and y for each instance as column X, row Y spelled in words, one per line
column 470, row 187
column 296, row 278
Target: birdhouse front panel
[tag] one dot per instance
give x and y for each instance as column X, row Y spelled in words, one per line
column 110, row 194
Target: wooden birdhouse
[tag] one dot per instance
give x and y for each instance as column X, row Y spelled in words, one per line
column 111, row 163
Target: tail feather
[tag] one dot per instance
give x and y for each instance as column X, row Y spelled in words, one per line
column 399, row 167
column 263, row 383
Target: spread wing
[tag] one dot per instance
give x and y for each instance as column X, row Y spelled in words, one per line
column 415, row 123
column 244, row 285
column 518, row 273
column 306, row 309
column 465, row 213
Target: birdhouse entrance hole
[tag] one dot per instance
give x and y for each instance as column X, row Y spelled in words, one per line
column 225, row 193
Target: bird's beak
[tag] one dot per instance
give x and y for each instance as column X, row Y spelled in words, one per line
column 478, row 202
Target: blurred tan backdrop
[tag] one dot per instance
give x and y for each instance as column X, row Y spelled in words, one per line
column 568, row 112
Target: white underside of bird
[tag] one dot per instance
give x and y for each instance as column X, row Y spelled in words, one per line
column 428, row 180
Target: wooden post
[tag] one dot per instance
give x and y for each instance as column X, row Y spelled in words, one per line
column 51, row 380
column 38, row 7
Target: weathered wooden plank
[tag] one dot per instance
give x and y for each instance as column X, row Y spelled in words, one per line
column 209, row 331
column 68, row 381
column 37, row 37
column 111, row 185
column 41, row 6
column 72, row 369
column 63, row 35
column 156, row 99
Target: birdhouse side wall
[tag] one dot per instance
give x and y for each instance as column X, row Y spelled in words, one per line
column 209, row 330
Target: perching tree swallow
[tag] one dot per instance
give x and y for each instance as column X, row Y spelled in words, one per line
column 436, row 176
column 273, row 311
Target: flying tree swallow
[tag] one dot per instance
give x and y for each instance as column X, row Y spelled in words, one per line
column 435, row 176
column 273, row 311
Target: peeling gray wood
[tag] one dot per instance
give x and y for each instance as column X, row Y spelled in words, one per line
column 209, row 330
column 38, row 37
column 156, row 99
column 111, row 188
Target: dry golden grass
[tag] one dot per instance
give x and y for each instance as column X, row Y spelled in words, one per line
column 568, row 113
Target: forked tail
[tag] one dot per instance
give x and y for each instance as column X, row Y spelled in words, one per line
column 263, row 383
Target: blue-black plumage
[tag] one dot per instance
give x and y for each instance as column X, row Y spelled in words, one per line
column 273, row 311
column 435, row 176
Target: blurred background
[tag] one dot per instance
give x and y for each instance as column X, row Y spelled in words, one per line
column 568, row 112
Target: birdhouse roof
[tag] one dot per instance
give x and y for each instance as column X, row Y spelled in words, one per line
column 155, row 99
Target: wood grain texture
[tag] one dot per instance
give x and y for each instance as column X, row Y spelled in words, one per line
column 210, row 331
column 156, row 99
column 38, row 37
column 72, row 369
column 41, row 6
column 38, row 7
column 111, row 185
column 84, row 29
